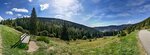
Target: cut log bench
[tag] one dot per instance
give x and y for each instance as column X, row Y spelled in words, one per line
column 23, row 39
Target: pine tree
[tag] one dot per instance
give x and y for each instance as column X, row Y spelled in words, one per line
column 33, row 22
column 64, row 34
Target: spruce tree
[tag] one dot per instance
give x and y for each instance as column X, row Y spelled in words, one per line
column 33, row 22
column 64, row 34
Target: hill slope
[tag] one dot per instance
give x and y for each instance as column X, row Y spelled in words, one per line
column 9, row 37
column 60, row 22
column 138, row 26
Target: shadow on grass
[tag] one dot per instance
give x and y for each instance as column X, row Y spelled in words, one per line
column 20, row 46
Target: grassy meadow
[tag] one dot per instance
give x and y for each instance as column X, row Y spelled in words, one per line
column 127, row 45
column 9, row 37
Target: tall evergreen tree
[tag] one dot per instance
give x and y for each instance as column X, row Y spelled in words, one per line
column 64, row 34
column 33, row 22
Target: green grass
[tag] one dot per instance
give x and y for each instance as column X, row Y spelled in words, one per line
column 128, row 45
column 9, row 38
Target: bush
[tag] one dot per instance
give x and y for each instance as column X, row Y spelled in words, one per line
column 26, row 31
column 52, row 35
column 43, row 39
column 23, row 46
column 121, row 34
column 19, row 28
column 84, row 38
column 90, row 40
column 43, row 33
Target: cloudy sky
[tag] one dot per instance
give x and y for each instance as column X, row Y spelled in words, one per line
column 87, row 12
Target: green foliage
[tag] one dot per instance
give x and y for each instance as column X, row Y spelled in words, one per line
column 52, row 35
column 23, row 46
column 90, row 40
column 138, row 26
column 122, row 33
column 26, row 31
column 33, row 22
column 64, row 34
column 110, row 33
column 10, row 37
column 84, row 38
column 46, row 40
column 19, row 28
column 43, row 33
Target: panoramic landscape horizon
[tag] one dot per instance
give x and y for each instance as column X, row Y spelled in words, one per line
column 74, row 27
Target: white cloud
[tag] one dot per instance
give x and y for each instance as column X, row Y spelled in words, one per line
column 118, row 15
column 94, row 14
column 18, row 15
column 1, row 18
column 26, row 16
column 44, row 6
column 30, row 0
column 5, row 3
column 66, row 9
column 9, row 12
column 129, row 22
column 20, row 10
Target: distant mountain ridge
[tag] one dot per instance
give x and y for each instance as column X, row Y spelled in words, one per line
column 112, row 27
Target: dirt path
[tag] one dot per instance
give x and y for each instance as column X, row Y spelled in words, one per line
column 32, row 46
column 0, row 41
column 144, row 36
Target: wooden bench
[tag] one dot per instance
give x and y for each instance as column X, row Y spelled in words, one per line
column 23, row 39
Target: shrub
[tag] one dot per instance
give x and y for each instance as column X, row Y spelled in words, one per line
column 26, row 31
column 43, row 33
column 43, row 39
column 19, row 28
column 90, row 40
column 52, row 35
column 84, row 38
column 23, row 46
column 121, row 34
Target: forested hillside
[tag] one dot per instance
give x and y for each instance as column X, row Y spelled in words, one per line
column 138, row 26
column 53, row 27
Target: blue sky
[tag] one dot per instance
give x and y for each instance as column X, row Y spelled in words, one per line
column 91, row 13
